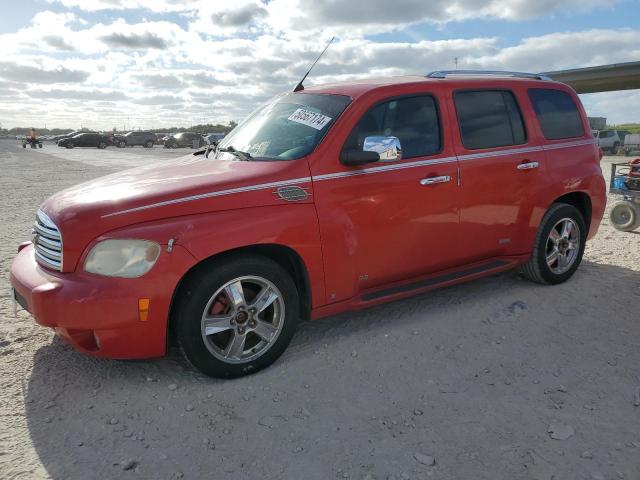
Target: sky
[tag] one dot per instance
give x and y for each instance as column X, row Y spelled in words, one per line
column 150, row 63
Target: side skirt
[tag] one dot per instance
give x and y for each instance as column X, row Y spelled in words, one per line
column 415, row 286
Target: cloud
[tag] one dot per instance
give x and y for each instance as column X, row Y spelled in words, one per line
column 159, row 81
column 77, row 94
column 34, row 74
column 134, row 41
column 57, row 42
column 240, row 16
column 158, row 100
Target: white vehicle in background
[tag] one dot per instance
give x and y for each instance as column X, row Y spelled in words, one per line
column 611, row 140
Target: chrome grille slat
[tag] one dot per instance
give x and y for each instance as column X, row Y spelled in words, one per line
column 47, row 242
column 46, row 233
column 42, row 260
column 48, row 252
column 53, row 244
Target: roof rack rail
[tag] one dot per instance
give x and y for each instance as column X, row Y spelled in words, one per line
column 489, row 73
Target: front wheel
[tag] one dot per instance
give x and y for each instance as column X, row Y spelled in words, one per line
column 625, row 216
column 558, row 247
column 70, row 145
column 236, row 317
column 102, row 145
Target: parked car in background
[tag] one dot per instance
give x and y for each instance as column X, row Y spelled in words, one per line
column 328, row 200
column 214, row 138
column 96, row 140
column 184, row 139
column 610, row 140
column 135, row 139
column 72, row 134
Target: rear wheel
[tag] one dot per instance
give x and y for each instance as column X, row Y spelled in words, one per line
column 102, row 145
column 236, row 317
column 624, row 216
column 70, row 145
column 149, row 144
column 615, row 147
column 122, row 144
column 558, row 247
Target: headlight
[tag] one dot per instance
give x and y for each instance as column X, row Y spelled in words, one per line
column 122, row 258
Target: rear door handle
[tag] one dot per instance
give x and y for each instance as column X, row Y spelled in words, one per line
column 432, row 180
column 527, row 166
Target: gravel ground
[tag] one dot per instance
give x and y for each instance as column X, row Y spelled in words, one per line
column 495, row 379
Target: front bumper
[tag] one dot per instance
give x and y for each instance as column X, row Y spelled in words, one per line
column 99, row 315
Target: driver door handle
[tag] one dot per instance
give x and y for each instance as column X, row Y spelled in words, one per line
column 527, row 165
column 433, row 180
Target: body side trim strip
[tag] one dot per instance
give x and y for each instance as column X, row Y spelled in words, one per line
column 385, row 168
column 219, row 193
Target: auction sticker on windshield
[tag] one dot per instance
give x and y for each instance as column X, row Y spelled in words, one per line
column 309, row 118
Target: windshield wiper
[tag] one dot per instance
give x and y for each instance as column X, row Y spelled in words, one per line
column 245, row 156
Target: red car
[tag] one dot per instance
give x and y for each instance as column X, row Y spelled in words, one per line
column 325, row 200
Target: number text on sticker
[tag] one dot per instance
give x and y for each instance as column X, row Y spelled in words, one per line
column 309, row 118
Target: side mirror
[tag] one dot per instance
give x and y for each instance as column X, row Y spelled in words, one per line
column 353, row 158
column 374, row 149
column 388, row 148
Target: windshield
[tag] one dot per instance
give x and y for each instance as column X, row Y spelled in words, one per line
column 286, row 128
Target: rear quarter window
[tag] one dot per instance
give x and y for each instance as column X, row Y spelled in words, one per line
column 557, row 113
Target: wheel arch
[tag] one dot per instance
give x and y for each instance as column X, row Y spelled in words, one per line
column 285, row 256
column 580, row 200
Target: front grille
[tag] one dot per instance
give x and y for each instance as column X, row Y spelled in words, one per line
column 47, row 241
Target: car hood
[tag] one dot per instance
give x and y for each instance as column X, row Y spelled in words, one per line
column 188, row 185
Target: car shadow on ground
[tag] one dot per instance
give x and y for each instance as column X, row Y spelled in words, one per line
column 94, row 418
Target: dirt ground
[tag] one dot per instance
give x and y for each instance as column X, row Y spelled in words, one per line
column 495, row 379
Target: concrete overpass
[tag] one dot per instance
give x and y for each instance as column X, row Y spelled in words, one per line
column 603, row 78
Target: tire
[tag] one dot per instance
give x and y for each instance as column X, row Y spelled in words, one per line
column 615, row 147
column 102, row 145
column 209, row 288
column 624, row 216
column 122, row 144
column 39, row 145
column 24, row 145
column 70, row 145
column 149, row 144
column 541, row 267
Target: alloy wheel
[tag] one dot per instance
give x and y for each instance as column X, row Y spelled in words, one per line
column 243, row 319
column 563, row 245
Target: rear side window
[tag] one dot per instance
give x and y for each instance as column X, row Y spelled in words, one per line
column 414, row 120
column 557, row 113
column 489, row 119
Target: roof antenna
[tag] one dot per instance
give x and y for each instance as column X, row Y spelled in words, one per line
column 300, row 86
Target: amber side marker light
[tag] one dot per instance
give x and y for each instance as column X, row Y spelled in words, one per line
column 143, row 309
